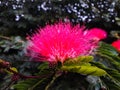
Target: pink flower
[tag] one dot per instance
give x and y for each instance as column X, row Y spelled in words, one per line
column 116, row 44
column 62, row 41
column 96, row 33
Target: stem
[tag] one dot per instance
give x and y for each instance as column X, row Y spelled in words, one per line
column 8, row 38
column 26, row 77
column 36, row 84
column 7, row 87
column 4, row 37
column 56, row 75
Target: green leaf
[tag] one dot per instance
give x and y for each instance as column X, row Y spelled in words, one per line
column 29, row 84
column 112, row 73
column 110, row 84
column 79, row 60
column 107, row 48
column 112, row 60
column 109, row 56
column 34, row 83
column 85, row 58
column 84, row 69
column 43, row 66
column 81, row 65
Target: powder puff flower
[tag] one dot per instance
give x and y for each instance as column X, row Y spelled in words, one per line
column 116, row 44
column 63, row 41
column 96, row 33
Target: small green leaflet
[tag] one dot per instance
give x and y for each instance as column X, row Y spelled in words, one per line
column 81, row 65
column 79, row 60
column 88, row 70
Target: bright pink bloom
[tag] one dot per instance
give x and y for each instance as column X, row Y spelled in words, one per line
column 96, row 34
column 62, row 41
column 116, row 44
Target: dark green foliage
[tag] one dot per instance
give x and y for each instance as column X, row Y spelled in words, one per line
column 110, row 62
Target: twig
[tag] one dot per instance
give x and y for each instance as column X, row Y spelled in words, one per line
column 36, row 84
column 4, row 37
column 7, row 87
column 53, row 79
column 6, row 65
column 8, row 38
column 26, row 77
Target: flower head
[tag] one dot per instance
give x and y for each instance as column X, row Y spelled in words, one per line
column 62, row 41
column 116, row 44
column 96, row 33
